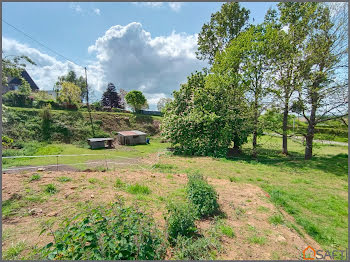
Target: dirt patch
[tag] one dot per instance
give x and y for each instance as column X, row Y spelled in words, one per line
column 246, row 206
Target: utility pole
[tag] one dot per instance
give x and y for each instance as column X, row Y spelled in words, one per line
column 87, row 103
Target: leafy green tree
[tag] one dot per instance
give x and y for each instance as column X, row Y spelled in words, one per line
column 286, row 31
column 248, row 52
column 14, row 67
column 324, row 92
column 202, row 103
column 111, row 97
column 69, row 94
column 136, row 100
column 224, row 26
column 72, row 77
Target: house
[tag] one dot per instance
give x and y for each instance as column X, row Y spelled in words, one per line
column 133, row 137
column 15, row 82
column 95, row 143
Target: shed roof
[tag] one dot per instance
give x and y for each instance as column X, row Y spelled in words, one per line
column 131, row 133
column 100, row 139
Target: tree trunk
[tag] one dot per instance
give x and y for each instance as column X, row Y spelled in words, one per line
column 310, row 132
column 255, row 134
column 285, row 128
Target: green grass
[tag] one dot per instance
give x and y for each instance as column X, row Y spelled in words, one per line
column 13, row 252
column 227, row 231
column 51, row 189
column 93, row 180
column 255, row 239
column 276, row 219
column 34, row 177
column 117, row 155
column 138, row 189
column 64, row 179
column 119, row 183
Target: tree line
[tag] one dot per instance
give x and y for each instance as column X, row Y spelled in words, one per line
column 294, row 61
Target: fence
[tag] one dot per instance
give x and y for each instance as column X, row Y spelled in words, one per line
column 105, row 162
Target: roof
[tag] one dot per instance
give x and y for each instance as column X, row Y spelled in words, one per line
column 131, row 133
column 26, row 76
column 100, row 139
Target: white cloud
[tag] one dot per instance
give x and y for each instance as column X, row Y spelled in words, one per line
column 97, row 11
column 133, row 60
column 76, row 7
column 127, row 56
column 48, row 68
column 176, row 6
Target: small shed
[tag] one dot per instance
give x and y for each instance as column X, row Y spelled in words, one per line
column 133, row 137
column 100, row 142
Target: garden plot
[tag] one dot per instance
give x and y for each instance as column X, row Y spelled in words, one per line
column 251, row 227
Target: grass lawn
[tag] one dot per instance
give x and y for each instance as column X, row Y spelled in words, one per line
column 309, row 198
column 69, row 149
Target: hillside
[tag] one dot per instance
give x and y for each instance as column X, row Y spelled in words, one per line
column 72, row 126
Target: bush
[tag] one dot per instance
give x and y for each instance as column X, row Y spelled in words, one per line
column 202, row 195
column 15, row 98
column 6, row 141
column 108, row 233
column 180, row 221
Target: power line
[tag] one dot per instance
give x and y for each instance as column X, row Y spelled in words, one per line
column 45, row 46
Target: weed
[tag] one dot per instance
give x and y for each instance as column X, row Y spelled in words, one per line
column 263, row 209
column 34, row 177
column 255, row 239
column 93, row 180
column 276, row 219
column 233, row 179
column 123, row 233
column 138, row 189
column 180, row 221
column 196, row 248
column 51, row 189
column 13, row 252
column 64, row 179
column 119, row 184
column 227, row 231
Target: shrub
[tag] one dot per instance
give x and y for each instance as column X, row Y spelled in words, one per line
column 16, row 98
column 113, row 232
column 51, row 189
column 202, row 195
column 138, row 189
column 6, row 141
column 34, row 177
column 180, row 221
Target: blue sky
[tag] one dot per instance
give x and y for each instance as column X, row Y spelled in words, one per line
column 158, row 36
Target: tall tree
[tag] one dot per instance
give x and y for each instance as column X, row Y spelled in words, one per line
column 224, row 26
column 136, row 100
column 72, row 77
column 324, row 69
column 111, row 97
column 249, row 52
column 286, row 35
column 69, row 93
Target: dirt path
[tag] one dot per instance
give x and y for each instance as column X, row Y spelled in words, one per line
column 246, row 206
